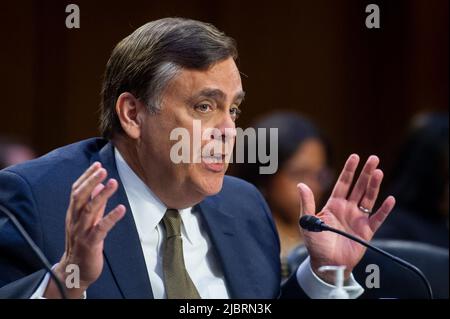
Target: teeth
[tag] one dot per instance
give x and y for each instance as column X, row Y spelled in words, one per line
column 213, row 159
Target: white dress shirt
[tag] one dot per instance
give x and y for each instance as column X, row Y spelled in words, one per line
column 148, row 212
column 201, row 263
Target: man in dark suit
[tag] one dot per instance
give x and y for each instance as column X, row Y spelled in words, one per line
column 175, row 230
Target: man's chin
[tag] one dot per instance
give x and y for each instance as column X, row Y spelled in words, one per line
column 211, row 185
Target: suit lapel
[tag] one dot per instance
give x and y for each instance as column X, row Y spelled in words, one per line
column 228, row 244
column 124, row 254
column 122, row 248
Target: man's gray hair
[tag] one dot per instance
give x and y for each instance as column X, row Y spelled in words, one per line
column 145, row 61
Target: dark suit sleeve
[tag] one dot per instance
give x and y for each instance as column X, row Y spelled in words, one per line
column 289, row 289
column 20, row 270
column 23, row 288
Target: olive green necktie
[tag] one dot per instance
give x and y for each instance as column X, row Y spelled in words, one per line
column 177, row 282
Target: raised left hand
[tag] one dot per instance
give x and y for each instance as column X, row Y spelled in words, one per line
column 342, row 211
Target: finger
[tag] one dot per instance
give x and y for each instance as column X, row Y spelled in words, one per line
column 86, row 174
column 95, row 209
column 345, row 179
column 97, row 190
column 94, row 193
column 307, row 204
column 381, row 214
column 104, row 195
column 363, row 179
column 82, row 194
column 102, row 228
column 373, row 188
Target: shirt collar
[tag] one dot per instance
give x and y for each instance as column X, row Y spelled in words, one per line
column 143, row 201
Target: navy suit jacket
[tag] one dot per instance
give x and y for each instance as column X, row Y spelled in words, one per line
column 237, row 219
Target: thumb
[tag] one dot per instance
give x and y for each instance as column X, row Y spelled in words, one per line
column 307, row 204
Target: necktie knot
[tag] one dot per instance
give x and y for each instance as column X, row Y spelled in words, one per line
column 172, row 223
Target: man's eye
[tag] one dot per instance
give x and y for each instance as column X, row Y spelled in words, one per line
column 235, row 112
column 203, row 108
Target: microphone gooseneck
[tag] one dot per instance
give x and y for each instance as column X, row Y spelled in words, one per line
column 35, row 249
column 315, row 224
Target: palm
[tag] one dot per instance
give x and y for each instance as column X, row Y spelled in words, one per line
column 342, row 212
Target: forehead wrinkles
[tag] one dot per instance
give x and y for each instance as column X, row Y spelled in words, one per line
column 222, row 77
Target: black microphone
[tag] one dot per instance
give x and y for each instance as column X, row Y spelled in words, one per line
column 314, row 224
column 35, row 248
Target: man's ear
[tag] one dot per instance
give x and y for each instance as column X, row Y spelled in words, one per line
column 127, row 109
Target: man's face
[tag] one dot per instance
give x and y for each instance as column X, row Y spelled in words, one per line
column 211, row 97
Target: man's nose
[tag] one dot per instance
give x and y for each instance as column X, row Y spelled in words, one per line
column 227, row 127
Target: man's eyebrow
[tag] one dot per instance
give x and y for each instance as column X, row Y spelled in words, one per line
column 240, row 96
column 217, row 95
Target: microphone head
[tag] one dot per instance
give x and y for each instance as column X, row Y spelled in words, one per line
column 311, row 223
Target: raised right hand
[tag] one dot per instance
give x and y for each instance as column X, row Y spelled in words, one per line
column 86, row 229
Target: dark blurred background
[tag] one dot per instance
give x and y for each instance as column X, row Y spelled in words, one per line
column 362, row 86
column 369, row 91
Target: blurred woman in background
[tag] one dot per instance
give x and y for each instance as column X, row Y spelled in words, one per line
column 420, row 184
column 304, row 156
column 13, row 151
